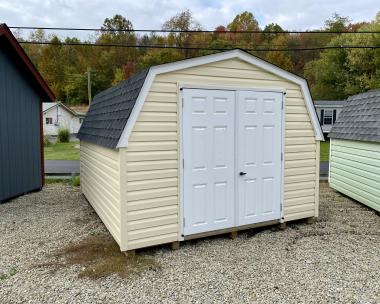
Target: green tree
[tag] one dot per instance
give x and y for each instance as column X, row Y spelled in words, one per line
column 159, row 56
column 342, row 72
column 272, row 27
column 117, row 25
column 337, row 23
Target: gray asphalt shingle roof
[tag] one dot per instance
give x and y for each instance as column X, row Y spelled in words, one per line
column 110, row 110
column 360, row 118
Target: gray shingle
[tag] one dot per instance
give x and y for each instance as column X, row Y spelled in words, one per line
column 360, row 118
column 110, row 110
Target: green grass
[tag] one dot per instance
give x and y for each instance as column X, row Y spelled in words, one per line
column 62, row 151
column 74, row 181
column 325, row 150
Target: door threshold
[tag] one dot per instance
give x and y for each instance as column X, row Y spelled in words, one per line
column 232, row 229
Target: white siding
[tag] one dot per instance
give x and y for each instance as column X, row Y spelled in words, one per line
column 100, row 183
column 355, row 170
column 62, row 119
column 152, row 156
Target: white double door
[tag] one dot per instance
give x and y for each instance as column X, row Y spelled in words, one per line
column 231, row 143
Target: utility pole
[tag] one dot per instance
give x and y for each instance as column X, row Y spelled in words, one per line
column 89, row 85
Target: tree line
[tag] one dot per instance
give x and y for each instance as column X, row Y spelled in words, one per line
column 332, row 73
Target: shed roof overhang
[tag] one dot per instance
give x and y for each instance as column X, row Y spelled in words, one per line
column 7, row 40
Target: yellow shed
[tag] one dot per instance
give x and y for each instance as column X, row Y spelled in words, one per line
column 201, row 146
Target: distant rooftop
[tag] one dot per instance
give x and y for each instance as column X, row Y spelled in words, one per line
column 360, row 118
column 80, row 109
column 76, row 110
column 335, row 103
column 47, row 105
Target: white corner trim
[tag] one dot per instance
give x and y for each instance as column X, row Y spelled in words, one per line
column 188, row 63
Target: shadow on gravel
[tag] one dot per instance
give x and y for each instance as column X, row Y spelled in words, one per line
column 100, row 257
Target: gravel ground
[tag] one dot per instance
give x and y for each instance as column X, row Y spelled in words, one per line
column 337, row 259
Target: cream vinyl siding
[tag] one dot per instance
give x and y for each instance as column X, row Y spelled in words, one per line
column 152, row 156
column 355, row 170
column 100, row 183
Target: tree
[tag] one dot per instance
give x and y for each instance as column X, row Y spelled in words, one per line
column 337, row 23
column 117, row 26
column 217, row 44
column 272, row 27
column 280, row 58
column 343, row 72
column 245, row 22
column 183, row 21
column 159, row 56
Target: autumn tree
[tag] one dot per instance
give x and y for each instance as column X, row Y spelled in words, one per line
column 184, row 21
column 245, row 22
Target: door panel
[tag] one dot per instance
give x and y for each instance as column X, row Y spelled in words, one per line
column 213, row 137
column 259, row 156
column 208, row 151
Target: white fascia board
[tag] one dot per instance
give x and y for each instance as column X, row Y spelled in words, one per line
column 188, row 63
column 67, row 108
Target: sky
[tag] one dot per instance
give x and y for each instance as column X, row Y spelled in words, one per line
column 151, row 14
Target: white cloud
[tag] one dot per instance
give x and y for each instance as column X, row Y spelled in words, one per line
column 290, row 14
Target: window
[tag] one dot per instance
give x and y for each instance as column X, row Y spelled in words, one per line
column 328, row 117
column 49, row 120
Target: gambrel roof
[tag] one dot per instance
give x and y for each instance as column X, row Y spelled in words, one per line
column 110, row 111
column 114, row 112
column 360, row 118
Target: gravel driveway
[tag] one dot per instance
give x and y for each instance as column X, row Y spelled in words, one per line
column 334, row 260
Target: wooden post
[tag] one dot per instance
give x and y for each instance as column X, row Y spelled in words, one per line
column 175, row 245
column 89, row 85
column 233, row 235
column 129, row 253
column 310, row 220
column 282, row 226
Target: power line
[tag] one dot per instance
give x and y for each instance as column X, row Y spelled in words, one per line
column 202, row 48
column 188, row 31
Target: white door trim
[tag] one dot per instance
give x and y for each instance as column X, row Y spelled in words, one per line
column 181, row 87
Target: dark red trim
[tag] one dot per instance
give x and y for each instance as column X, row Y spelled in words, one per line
column 42, row 148
column 5, row 32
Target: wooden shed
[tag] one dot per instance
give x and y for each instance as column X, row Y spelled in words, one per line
column 22, row 91
column 355, row 149
column 202, row 146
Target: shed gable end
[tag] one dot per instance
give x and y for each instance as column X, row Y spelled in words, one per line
column 153, row 153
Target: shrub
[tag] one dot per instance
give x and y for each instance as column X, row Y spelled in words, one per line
column 76, row 181
column 63, row 135
column 47, row 142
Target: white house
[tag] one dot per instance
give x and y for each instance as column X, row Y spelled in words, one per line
column 328, row 111
column 58, row 116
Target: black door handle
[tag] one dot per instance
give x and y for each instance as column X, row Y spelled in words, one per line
column 242, row 173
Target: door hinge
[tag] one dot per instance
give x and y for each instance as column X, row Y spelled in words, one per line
column 282, row 156
column 282, row 104
column 183, row 163
column 184, row 222
column 182, row 102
